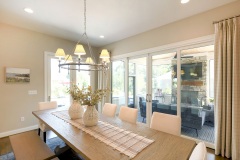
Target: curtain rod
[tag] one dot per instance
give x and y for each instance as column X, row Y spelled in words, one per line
column 226, row 19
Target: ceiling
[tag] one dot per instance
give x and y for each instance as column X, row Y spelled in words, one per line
column 115, row 19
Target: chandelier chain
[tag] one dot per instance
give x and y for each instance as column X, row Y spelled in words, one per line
column 85, row 19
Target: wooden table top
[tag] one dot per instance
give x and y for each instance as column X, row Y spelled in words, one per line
column 164, row 147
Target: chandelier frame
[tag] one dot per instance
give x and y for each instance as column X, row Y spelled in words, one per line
column 93, row 66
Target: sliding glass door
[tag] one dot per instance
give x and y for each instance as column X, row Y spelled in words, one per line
column 179, row 83
column 164, row 83
column 118, row 84
column 137, row 90
column 197, row 70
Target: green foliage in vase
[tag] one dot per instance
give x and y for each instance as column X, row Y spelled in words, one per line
column 86, row 96
column 211, row 100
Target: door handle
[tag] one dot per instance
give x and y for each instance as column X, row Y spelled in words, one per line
column 150, row 97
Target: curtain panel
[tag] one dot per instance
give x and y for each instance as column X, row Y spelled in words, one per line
column 104, row 81
column 227, row 88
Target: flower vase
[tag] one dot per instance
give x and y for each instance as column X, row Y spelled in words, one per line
column 75, row 111
column 90, row 116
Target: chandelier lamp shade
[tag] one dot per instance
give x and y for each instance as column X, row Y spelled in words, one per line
column 104, row 54
column 79, row 50
column 68, row 58
column 67, row 61
column 184, row 1
column 60, row 53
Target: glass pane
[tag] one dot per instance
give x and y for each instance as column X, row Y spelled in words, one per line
column 118, row 92
column 137, row 87
column 211, row 79
column 60, row 81
column 197, row 112
column 164, row 83
column 83, row 78
column 131, row 92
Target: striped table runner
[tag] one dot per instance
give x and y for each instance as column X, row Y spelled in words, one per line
column 122, row 140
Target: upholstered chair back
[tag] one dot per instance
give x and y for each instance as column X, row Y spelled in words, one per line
column 166, row 122
column 109, row 109
column 44, row 106
column 199, row 152
column 128, row 114
column 47, row 105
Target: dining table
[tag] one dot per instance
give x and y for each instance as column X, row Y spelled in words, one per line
column 161, row 146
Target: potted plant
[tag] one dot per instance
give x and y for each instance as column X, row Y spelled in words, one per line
column 86, row 96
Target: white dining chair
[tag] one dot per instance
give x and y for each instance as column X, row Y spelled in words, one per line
column 128, row 114
column 199, row 152
column 42, row 126
column 166, row 122
column 109, row 109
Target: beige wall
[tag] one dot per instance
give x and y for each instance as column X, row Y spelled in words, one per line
column 24, row 49
column 189, row 28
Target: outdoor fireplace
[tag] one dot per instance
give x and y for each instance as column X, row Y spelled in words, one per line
column 189, row 97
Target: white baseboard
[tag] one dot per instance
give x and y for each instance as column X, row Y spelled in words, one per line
column 8, row 133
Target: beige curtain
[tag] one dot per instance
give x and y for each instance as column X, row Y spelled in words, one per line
column 104, row 79
column 227, row 88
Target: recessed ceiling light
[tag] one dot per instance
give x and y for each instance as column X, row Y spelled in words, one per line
column 101, row 36
column 28, row 10
column 184, row 1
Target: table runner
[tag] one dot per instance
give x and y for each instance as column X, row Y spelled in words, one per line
column 122, row 140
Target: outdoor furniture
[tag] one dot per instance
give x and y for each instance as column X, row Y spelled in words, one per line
column 142, row 106
column 163, row 108
column 193, row 117
column 209, row 118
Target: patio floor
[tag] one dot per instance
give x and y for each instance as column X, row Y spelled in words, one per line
column 204, row 134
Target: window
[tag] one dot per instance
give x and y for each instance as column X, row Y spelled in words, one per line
column 118, row 83
column 57, row 81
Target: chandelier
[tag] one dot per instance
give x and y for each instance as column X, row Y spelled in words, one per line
column 67, row 62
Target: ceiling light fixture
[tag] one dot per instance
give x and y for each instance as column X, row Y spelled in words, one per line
column 101, row 36
column 90, row 63
column 184, row 1
column 28, row 10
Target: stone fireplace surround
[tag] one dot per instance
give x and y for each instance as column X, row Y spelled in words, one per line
column 193, row 91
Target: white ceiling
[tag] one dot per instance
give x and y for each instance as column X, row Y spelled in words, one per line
column 115, row 19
